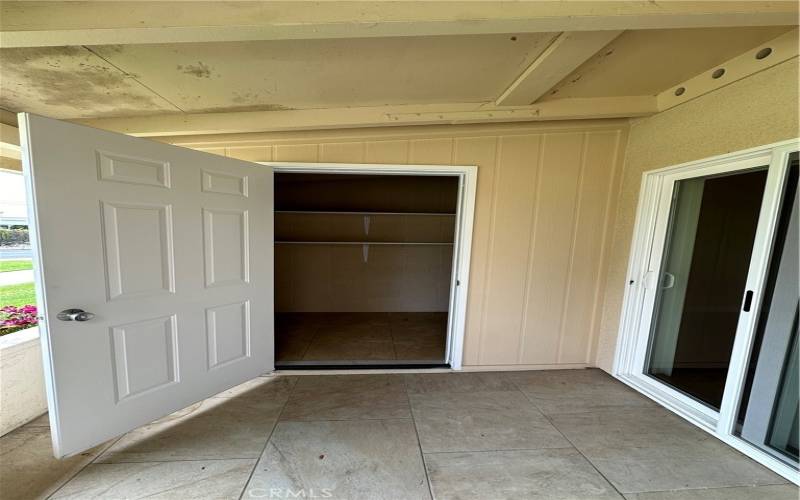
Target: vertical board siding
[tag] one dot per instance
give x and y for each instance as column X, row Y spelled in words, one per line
column 387, row 152
column 343, row 152
column 481, row 151
column 296, row 152
column 214, row 151
column 431, row 152
column 515, row 180
column 257, row 153
column 581, row 305
column 550, row 252
column 545, row 202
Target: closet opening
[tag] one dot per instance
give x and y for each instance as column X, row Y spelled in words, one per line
column 364, row 269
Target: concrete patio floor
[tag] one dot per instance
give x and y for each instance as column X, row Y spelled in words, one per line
column 576, row 434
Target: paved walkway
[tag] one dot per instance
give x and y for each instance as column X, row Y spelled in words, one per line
column 15, row 277
column 560, row 434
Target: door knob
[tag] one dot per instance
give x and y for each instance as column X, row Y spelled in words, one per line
column 74, row 315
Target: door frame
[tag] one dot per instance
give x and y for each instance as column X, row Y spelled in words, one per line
column 647, row 247
column 462, row 244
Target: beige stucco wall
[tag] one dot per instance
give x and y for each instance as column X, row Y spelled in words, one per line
column 758, row 110
column 545, row 202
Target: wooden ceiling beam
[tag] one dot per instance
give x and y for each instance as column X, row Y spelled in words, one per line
column 46, row 23
column 380, row 116
column 568, row 51
column 757, row 59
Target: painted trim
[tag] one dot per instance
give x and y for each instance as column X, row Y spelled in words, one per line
column 782, row 48
column 407, row 132
column 465, row 216
column 358, row 117
column 647, row 248
column 114, row 24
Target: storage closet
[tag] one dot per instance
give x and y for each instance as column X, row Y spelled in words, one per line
column 363, row 268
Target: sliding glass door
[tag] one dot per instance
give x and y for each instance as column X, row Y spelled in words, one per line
column 768, row 413
column 703, row 273
column 711, row 314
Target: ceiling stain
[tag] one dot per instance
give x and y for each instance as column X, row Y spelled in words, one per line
column 329, row 73
column 150, row 79
column 109, row 49
column 245, row 98
column 71, row 82
column 199, row 70
column 247, row 107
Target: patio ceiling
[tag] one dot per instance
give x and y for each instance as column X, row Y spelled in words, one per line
column 208, row 66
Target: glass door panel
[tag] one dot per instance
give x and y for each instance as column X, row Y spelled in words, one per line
column 704, row 268
column 784, row 432
column 768, row 413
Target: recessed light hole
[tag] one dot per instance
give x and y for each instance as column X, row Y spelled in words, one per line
column 718, row 73
column 761, row 54
column 679, row 91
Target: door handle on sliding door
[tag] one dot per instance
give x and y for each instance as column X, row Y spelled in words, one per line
column 748, row 301
column 668, row 281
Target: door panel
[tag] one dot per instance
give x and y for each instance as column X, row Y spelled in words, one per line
column 768, row 414
column 228, row 330
column 711, row 233
column 158, row 242
column 225, row 245
column 144, row 356
column 138, row 249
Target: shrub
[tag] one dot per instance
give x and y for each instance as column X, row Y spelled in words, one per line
column 11, row 237
column 13, row 319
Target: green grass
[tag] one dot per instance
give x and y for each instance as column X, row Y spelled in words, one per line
column 17, row 295
column 15, row 265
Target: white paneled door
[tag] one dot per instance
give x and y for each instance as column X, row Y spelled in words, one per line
column 155, row 276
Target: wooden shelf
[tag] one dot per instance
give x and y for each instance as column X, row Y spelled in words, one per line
column 415, row 243
column 321, row 212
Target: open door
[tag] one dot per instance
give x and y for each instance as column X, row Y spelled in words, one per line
column 154, row 276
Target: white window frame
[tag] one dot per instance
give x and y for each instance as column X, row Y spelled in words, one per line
column 645, row 260
column 465, row 215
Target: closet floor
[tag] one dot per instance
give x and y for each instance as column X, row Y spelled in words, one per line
column 342, row 337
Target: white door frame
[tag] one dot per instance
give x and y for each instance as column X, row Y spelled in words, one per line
column 465, row 214
column 644, row 265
